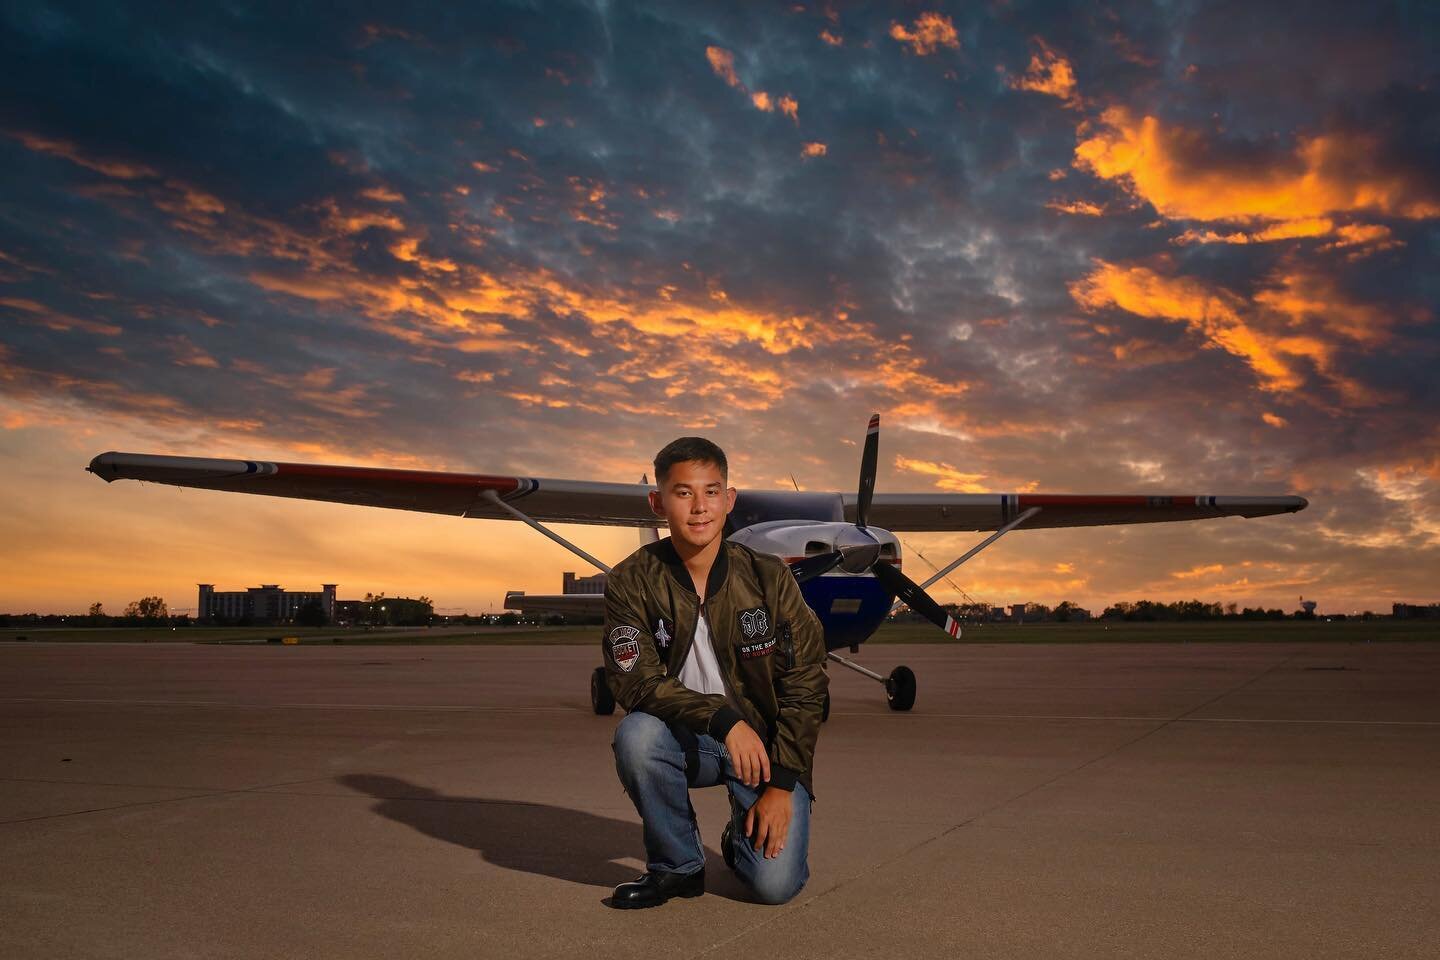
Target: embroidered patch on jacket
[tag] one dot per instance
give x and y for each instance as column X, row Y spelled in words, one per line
column 664, row 631
column 760, row 648
column 625, row 648
column 755, row 622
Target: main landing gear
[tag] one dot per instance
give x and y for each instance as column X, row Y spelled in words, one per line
column 899, row 686
column 601, row 699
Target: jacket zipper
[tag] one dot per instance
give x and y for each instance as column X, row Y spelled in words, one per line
column 730, row 696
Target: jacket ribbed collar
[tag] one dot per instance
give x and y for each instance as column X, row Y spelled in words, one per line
column 665, row 552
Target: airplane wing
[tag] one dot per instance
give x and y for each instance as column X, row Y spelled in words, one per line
column 565, row 604
column 625, row 504
column 456, row 494
column 916, row 512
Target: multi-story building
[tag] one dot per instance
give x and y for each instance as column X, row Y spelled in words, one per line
column 593, row 584
column 267, row 603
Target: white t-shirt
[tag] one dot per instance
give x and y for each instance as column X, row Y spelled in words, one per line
column 701, row 671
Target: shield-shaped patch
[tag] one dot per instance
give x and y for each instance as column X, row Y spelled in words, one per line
column 624, row 647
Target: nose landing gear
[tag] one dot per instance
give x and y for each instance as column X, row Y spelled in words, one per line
column 899, row 686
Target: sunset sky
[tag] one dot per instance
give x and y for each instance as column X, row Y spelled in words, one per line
column 1153, row 248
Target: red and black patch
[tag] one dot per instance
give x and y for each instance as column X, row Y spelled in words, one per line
column 760, row 648
column 625, row 647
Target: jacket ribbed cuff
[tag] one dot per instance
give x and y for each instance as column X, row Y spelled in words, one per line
column 720, row 724
column 783, row 777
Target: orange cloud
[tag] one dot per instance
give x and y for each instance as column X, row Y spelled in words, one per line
column 1285, row 230
column 43, row 316
column 927, row 34
column 1275, row 420
column 382, row 195
column 119, row 169
column 833, row 39
column 1082, row 208
column 1185, row 175
column 187, row 354
column 722, row 61
column 1299, row 320
column 1364, row 238
column 813, row 149
column 1204, row 570
column 1050, row 74
column 790, row 107
column 946, row 476
column 761, row 99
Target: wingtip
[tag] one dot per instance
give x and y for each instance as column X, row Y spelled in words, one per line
column 97, row 466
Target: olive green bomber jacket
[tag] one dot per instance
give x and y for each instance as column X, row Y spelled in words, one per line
column 768, row 643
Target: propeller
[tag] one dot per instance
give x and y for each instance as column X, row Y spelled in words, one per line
column 919, row 601
column 859, row 551
column 867, row 471
column 812, row 567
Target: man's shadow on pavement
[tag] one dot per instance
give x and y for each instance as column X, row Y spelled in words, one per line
column 530, row 837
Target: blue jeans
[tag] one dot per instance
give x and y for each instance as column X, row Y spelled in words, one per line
column 651, row 761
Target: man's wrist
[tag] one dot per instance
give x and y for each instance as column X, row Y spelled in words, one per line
column 782, row 777
column 723, row 720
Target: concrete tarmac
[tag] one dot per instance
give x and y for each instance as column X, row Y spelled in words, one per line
column 1041, row 801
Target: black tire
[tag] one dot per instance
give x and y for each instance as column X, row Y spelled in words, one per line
column 601, row 699
column 900, row 688
column 825, row 710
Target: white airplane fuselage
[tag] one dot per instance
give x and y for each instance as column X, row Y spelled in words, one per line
column 848, row 600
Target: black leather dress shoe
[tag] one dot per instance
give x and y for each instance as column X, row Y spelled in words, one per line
column 653, row 889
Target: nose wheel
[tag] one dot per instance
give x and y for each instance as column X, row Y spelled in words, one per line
column 601, row 699
column 899, row 686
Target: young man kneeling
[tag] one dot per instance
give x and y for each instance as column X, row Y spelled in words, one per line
column 711, row 648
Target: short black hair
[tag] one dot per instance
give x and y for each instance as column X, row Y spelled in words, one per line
column 689, row 448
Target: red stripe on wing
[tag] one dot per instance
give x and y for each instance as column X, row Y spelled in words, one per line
column 321, row 471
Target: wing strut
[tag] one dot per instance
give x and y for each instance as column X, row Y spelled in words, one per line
column 973, row 550
column 494, row 498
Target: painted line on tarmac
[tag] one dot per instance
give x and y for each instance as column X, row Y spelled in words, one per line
column 1124, row 719
column 889, row 715
column 297, row 706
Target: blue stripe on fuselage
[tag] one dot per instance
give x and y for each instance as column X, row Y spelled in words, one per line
column 844, row 629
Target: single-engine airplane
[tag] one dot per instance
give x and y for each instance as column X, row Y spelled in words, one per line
column 841, row 548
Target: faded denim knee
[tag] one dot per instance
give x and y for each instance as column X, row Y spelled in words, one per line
column 639, row 739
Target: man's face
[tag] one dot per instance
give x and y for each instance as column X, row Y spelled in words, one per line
column 694, row 501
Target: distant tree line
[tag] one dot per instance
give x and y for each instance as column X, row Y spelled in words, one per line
column 1151, row 610
column 145, row 612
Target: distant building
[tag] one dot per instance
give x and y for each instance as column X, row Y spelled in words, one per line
column 267, row 603
column 1415, row 611
column 593, row 584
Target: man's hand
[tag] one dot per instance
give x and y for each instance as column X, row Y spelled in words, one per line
column 747, row 753
column 768, row 821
